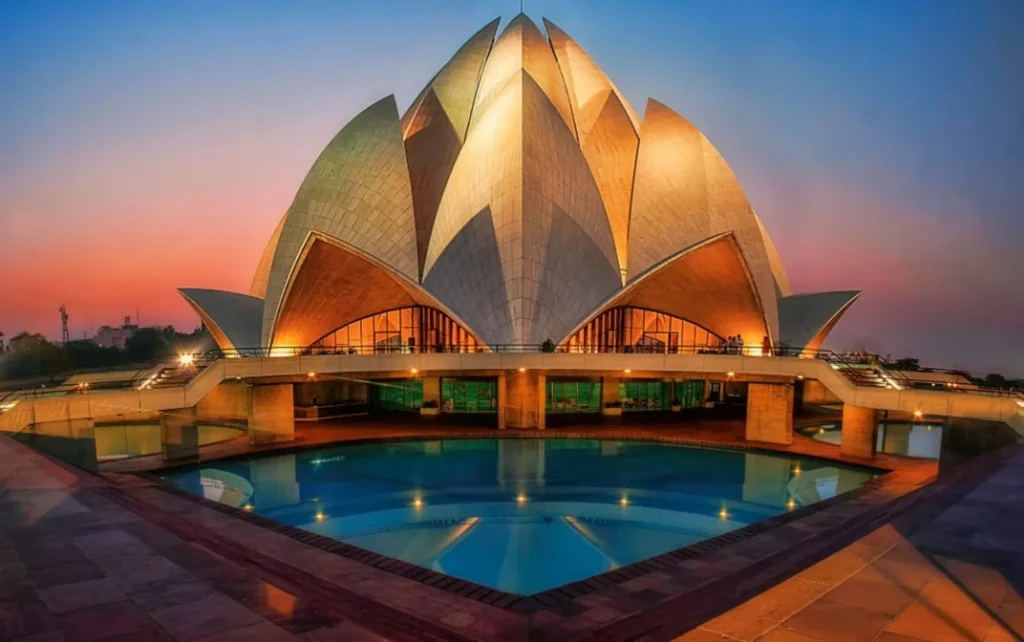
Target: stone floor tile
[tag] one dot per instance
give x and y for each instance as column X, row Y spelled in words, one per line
column 263, row 632
column 925, row 622
column 208, row 616
column 52, row 636
column 881, row 597
column 145, row 635
column 50, row 553
column 911, row 577
column 65, row 574
column 757, row 616
column 343, row 632
column 997, row 633
column 840, row 565
column 783, row 634
column 18, row 619
column 16, row 592
column 825, row 619
column 889, row 636
column 104, row 622
column 112, row 542
column 160, row 594
column 77, row 595
column 701, row 635
column 1012, row 616
column 128, row 574
column 986, row 584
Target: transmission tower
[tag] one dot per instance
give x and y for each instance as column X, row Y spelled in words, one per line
column 65, row 336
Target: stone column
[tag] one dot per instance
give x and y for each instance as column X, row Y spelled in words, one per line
column 228, row 401
column 271, row 413
column 179, row 434
column 524, row 405
column 860, row 430
column 502, row 400
column 609, row 390
column 432, row 390
column 770, row 412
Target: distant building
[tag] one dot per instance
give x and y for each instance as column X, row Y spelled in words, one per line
column 111, row 337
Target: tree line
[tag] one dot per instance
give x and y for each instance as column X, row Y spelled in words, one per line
column 31, row 355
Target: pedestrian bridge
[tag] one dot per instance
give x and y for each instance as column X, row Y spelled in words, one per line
column 985, row 405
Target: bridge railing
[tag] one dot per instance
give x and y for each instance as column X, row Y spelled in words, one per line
column 861, row 369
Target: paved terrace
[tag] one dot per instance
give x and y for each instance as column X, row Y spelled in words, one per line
column 284, row 369
column 79, row 562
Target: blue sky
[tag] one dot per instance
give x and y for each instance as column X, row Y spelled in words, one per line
column 156, row 143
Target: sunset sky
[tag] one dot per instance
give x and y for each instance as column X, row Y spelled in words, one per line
column 146, row 146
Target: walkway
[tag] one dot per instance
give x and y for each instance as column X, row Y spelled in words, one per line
column 957, row 577
column 76, row 567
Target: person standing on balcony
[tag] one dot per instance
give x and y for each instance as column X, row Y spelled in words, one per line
column 739, row 343
column 766, row 347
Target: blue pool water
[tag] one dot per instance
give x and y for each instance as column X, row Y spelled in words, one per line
column 520, row 515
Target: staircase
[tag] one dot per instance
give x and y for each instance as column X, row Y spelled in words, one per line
column 868, row 375
column 168, row 377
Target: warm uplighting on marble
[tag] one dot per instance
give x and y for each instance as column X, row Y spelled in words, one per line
column 522, row 369
column 414, row 370
column 627, row 371
column 796, row 470
column 311, row 375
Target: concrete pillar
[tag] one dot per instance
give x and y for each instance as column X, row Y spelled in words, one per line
column 609, row 390
column 502, row 400
column 432, row 390
column 179, row 434
column 524, row 399
column 228, row 401
column 860, row 430
column 271, row 413
column 770, row 412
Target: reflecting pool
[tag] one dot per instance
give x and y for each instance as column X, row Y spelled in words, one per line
column 520, row 515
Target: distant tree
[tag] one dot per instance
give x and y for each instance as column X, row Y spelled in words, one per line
column 148, row 344
column 907, row 364
column 2, row 347
column 995, row 380
column 87, row 354
column 30, row 355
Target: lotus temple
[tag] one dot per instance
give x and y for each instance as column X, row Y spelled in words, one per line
column 519, row 362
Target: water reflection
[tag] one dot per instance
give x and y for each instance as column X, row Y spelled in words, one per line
column 903, row 439
column 521, row 515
